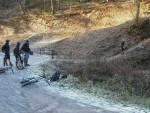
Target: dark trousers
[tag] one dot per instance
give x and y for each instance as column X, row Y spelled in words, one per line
column 122, row 49
column 6, row 57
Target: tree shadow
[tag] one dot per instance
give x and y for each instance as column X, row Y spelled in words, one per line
column 18, row 25
column 100, row 43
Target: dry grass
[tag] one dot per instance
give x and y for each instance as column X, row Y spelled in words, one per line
column 129, row 80
column 90, row 16
column 116, row 76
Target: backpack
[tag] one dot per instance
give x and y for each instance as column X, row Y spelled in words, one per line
column 3, row 48
column 64, row 76
column 55, row 76
column 15, row 51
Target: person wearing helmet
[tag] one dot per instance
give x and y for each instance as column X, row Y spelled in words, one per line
column 26, row 50
column 6, row 51
column 17, row 53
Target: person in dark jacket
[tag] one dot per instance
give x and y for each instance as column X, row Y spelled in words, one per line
column 6, row 50
column 17, row 53
column 26, row 50
column 122, row 46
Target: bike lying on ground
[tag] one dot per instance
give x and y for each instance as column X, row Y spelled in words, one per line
column 4, row 69
column 33, row 80
column 54, row 77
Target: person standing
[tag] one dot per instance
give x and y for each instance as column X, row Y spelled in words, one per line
column 6, row 50
column 26, row 50
column 122, row 46
column 17, row 53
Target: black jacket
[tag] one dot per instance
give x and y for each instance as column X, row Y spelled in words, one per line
column 122, row 44
column 16, row 50
column 25, row 47
column 5, row 48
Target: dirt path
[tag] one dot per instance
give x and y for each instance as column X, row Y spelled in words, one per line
column 127, row 53
column 37, row 99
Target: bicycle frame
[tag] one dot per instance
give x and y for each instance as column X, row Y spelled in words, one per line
column 19, row 62
column 33, row 80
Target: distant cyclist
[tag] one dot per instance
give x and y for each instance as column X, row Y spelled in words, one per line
column 17, row 53
column 26, row 50
column 6, row 50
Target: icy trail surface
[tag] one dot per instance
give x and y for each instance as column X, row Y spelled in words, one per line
column 41, row 98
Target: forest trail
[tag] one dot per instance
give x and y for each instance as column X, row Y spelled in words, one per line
column 38, row 99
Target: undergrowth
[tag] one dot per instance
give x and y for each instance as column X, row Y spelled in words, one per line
column 120, row 82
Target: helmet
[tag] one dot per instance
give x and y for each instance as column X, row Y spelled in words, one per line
column 18, row 43
column 7, row 41
column 27, row 40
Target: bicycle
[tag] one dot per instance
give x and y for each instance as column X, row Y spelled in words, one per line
column 29, row 81
column 19, row 62
column 32, row 80
column 4, row 69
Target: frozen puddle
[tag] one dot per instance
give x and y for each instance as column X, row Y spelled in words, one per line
column 41, row 98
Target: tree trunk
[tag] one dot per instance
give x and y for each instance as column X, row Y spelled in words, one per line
column 52, row 7
column 21, row 6
column 58, row 4
column 138, row 11
column 42, row 4
column 3, row 4
column 25, row 5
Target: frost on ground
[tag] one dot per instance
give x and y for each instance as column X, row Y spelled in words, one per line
column 41, row 98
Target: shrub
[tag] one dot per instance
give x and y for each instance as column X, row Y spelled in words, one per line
column 130, row 80
column 115, row 76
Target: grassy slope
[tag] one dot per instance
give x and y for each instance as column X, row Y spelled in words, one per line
column 92, row 31
column 108, row 25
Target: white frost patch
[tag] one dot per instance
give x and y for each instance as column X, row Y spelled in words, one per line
column 99, row 102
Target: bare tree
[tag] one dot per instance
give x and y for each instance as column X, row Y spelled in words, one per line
column 21, row 6
column 138, row 11
column 52, row 7
column 42, row 3
column 58, row 4
column 4, row 3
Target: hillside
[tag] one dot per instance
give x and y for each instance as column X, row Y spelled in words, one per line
column 92, row 33
column 85, row 31
column 87, row 38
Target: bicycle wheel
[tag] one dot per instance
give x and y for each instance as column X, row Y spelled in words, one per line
column 19, row 64
column 29, row 82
